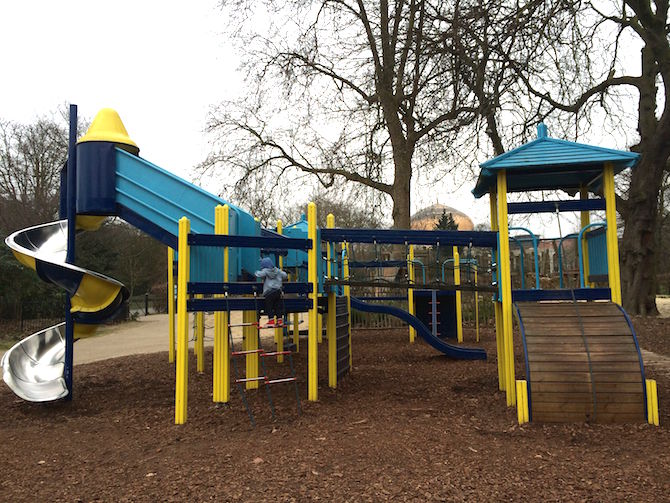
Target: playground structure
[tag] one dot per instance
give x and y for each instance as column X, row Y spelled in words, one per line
column 582, row 362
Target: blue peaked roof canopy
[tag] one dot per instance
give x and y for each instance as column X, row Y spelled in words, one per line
column 551, row 164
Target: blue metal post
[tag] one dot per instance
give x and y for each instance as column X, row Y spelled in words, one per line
column 71, row 229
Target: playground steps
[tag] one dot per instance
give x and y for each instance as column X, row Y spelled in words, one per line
column 582, row 363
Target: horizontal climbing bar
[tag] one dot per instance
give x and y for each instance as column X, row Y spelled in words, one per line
column 486, row 239
column 551, row 206
column 291, row 305
column 234, row 241
column 378, row 263
column 439, row 286
column 240, row 288
column 579, row 294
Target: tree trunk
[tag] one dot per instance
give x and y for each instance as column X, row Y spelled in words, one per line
column 638, row 253
column 401, row 191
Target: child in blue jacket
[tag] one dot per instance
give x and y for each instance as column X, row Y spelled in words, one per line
column 272, row 290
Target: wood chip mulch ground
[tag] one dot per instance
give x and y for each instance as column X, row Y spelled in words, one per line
column 406, row 425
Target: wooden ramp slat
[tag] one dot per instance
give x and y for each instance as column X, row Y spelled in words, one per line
column 576, row 387
column 606, row 407
column 595, row 367
column 586, row 396
column 574, row 417
column 582, row 357
column 576, row 351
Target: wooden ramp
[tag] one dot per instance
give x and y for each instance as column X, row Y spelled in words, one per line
column 582, row 363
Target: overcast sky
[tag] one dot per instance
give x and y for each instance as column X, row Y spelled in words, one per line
column 160, row 64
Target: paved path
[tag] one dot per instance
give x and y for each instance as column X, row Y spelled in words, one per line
column 149, row 334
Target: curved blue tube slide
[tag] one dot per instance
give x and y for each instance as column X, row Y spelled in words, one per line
column 422, row 330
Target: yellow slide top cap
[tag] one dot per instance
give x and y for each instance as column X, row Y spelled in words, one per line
column 107, row 126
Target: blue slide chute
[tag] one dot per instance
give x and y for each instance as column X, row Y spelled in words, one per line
column 450, row 350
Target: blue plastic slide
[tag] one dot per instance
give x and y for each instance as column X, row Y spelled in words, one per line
column 422, row 330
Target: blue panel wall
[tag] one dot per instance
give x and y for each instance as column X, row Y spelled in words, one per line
column 597, row 244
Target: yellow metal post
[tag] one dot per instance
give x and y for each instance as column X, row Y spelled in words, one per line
column 331, row 325
column 251, row 344
column 170, row 299
column 506, row 283
column 221, row 345
column 279, row 332
column 181, row 385
column 347, row 295
column 652, row 402
column 584, row 221
column 612, row 239
column 459, row 307
column 497, row 305
column 313, row 348
column 199, row 346
column 410, row 292
column 319, row 321
column 476, row 307
column 523, row 414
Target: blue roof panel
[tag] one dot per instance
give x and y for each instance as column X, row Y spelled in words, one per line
column 549, row 163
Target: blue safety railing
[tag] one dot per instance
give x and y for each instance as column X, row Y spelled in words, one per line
column 535, row 240
column 423, row 268
column 560, row 256
column 521, row 261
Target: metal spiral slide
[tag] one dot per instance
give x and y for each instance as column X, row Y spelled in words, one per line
column 33, row 368
column 422, row 330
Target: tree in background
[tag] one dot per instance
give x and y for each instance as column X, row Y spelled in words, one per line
column 602, row 79
column 31, row 157
column 341, row 91
column 446, row 222
column 346, row 214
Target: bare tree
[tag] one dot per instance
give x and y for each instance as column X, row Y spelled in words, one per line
column 587, row 83
column 342, row 91
column 31, row 157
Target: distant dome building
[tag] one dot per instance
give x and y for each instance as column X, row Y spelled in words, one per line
column 426, row 219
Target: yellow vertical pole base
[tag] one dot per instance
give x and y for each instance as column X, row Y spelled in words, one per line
column 652, row 402
column 181, row 383
column 279, row 337
column 331, row 332
column 313, row 338
column 221, row 372
column 500, row 346
column 459, row 305
column 522, row 401
column 221, row 359
column 320, row 328
column 410, row 292
column 251, row 344
column 506, row 284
